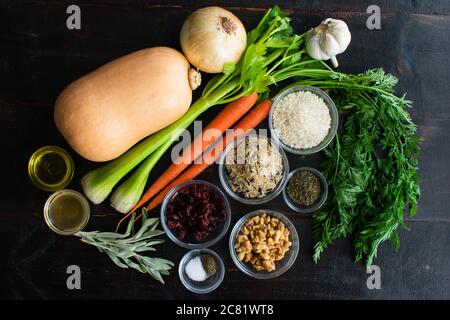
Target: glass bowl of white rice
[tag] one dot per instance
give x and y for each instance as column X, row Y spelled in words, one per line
column 303, row 119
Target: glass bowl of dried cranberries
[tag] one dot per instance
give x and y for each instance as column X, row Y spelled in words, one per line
column 195, row 214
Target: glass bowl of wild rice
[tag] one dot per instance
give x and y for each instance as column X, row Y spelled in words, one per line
column 303, row 119
column 253, row 169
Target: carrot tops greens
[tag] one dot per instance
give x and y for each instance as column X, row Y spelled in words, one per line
column 372, row 167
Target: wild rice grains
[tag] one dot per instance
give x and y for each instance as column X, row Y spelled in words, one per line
column 301, row 120
column 253, row 167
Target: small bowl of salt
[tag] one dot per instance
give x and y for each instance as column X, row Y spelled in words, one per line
column 303, row 119
column 201, row 271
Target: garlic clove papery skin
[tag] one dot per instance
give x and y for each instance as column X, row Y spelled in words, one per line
column 327, row 40
column 314, row 47
column 329, row 45
column 338, row 29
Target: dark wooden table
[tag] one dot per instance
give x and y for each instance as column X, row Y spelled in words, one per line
column 39, row 56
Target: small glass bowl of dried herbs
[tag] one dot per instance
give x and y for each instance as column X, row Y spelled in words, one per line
column 306, row 190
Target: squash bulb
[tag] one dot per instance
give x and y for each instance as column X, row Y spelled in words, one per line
column 107, row 111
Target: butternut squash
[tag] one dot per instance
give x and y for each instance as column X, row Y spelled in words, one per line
column 107, row 111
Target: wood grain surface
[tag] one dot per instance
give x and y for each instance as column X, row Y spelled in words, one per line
column 39, row 57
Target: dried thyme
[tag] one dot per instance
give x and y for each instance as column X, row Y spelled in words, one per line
column 304, row 188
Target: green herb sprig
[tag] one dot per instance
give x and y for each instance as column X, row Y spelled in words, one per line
column 372, row 167
column 126, row 250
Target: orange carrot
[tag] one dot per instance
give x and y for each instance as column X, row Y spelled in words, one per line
column 229, row 115
column 250, row 121
column 224, row 120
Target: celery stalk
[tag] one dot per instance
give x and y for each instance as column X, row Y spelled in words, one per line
column 125, row 197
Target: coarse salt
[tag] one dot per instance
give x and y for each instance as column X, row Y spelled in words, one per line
column 301, row 120
column 195, row 271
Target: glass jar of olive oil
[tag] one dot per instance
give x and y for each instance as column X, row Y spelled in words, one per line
column 51, row 168
column 66, row 212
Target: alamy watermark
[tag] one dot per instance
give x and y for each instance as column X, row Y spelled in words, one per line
column 74, row 279
column 214, row 144
column 73, row 21
column 374, row 280
column 374, row 20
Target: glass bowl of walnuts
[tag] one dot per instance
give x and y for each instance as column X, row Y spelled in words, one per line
column 264, row 244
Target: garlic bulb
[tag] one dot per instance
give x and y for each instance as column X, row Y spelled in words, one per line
column 212, row 36
column 327, row 40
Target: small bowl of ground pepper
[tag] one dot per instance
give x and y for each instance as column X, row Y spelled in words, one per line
column 306, row 190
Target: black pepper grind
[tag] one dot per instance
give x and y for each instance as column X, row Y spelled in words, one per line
column 209, row 264
column 304, row 188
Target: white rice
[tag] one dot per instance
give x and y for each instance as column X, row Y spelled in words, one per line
column 301, row 120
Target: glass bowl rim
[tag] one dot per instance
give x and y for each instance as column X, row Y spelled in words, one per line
column 68, row 160
column 322, row 198
column 47, row 209
column 184, row 261
column 333, row 114
column 270, row 196
column 262, row 274
column 200, row 245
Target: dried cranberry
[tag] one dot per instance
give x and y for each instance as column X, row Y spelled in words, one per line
column 197, row 210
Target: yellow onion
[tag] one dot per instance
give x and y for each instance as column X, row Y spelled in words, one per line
column 212, row 36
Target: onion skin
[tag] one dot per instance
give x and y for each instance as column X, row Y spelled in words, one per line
column 212, row 36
